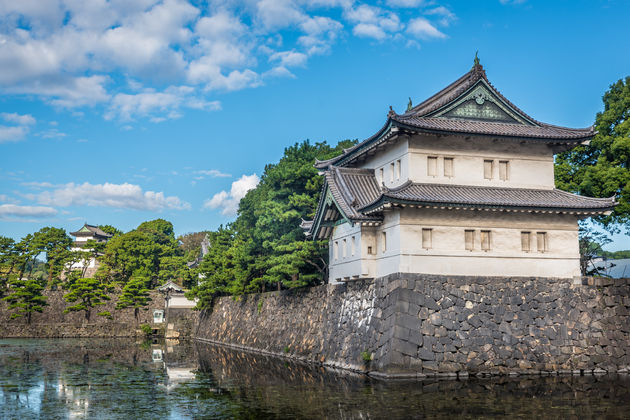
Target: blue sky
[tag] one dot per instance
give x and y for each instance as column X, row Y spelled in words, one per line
column 116, row 112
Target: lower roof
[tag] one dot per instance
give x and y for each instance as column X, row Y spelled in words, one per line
column 354, row 195
column 490, row 197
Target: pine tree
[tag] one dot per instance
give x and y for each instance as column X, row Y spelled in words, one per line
column 89, row 293
column 135, row 294
column 26, row 297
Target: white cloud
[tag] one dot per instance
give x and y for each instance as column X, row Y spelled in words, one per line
column 6, row 199
column 52, row 133
column 12, row 210
column 159, row 106
column 9, row 134
column 373, row 22
column 446, row 16
column 122, row 54
column 289, row 58
column 213, row 173
column 124, row 196
column 228, row 201
column 422, row 28
column 405, row 3
column 18, row 119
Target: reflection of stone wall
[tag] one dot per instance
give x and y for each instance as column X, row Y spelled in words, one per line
column 52, row 322
column 180, row 322
column 422, row 324
column 287, row 389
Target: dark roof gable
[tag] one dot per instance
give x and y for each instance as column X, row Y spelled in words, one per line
column 470, row 106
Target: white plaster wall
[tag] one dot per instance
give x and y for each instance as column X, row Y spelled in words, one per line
column 346, row 267
column 180, row 301
column 448, row 255
column 530, row 165
column 91, row 263
column 397, row 151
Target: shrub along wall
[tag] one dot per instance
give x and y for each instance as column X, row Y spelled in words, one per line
column 415, row 325
column 52, row 322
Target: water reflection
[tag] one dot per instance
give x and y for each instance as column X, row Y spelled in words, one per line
column 112, row 379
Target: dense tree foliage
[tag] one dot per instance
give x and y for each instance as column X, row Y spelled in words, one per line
column 149, row 249
column 131, row 264
column 265, row 246
column 602, row 168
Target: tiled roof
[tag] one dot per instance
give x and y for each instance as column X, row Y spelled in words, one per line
column 352, row 189
column 542, row 131
column 490, row 197
column 92, row 229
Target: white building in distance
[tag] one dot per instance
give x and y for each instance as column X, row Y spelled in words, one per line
column 461, row 184
column 86, row 233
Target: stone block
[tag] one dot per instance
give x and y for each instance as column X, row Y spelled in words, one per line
column 425, row 354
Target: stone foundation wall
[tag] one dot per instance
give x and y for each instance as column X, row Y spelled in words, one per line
column 421, row 325
column 52, row 322
column 326, row 324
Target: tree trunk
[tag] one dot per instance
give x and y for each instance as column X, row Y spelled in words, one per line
column 262, row 288
column 135, row 314
column 32, row 266
column 28, row 318
column 279, row 285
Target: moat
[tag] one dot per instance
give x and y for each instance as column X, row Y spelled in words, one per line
column 123, row 379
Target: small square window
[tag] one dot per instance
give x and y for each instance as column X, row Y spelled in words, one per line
column 504, row 170
column 526, row 241
column 487, row 169
column 427, row 238
column 384, row 241
column 448, row 167
column 470, row 239
column 432, row 166
column 543, row 245
column 369, row 250
column 485, row 240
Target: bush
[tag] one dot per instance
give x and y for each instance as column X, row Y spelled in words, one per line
column 146, row 329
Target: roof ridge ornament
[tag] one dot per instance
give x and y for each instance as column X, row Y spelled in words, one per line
column 409, row 105
column 391, row 112
column 477, row 68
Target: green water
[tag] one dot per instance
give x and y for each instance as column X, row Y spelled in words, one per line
column 121, row 379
